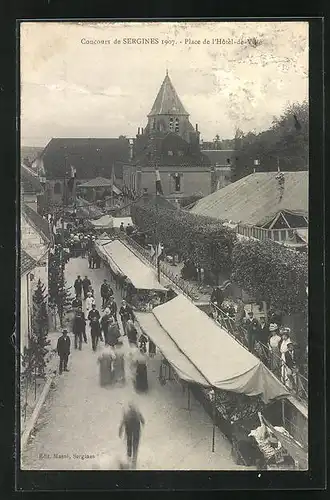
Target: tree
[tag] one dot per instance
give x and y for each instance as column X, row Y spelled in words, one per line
column 284, row 144
column 198, row 239
column 39, row 340
column 59, row 295
column 273, row 273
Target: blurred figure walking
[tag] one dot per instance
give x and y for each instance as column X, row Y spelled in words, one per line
column 131, row 423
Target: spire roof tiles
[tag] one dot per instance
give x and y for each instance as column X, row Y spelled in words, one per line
column 167, row 101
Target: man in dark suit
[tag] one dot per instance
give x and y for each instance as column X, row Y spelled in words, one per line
column 126, row 313
column 76, row 303
column 263, row 333
column 104, row 292
column 86, row 283
column 111, row 304
column 252, row 327
column 79, row 328
column 131, row 423
column 78, row 286
column 63, row 350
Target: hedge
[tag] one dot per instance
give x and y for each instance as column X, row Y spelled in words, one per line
column 272, row 273
column 264, row 269
column 198, row 239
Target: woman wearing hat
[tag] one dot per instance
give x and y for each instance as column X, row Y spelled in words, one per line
column 285, row 333
column 274, row 349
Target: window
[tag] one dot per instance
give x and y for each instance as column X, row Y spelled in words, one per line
column 170, row 153
column 176, row 125
column 57, row 188
column 283, row 234
column 180, row 153
column 171, row 124
column 177, row 183
column 154, row 123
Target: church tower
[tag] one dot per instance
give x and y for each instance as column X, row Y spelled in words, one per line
column 168, row 115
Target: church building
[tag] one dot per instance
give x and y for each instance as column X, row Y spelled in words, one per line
column 171, row 144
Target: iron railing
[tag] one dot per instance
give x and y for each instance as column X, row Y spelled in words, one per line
column 187, row 288
column 296, row 383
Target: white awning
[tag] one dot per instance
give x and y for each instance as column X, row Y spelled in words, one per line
column 206, row 353
column 181, row 364
column 121, row 258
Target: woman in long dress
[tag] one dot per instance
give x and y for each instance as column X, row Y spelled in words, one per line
column 105, row 361
column 141, row 375
column 283, row 349
column 274, row 350
column 119, row 363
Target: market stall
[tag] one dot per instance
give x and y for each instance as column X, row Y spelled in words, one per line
column 139, row 279
column 103, row 223
column 213, row 362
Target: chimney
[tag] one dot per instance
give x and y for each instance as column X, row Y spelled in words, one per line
column 138, row 131
column 197, row 127
column 141, row 130
column 131, row 145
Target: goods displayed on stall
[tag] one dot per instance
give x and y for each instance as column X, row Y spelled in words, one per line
column 138, row 280
column 235, row 382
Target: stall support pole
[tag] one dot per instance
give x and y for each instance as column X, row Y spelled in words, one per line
column 213, row 419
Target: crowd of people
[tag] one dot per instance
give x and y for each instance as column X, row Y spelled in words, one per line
column 270, row 340
column 120, row 361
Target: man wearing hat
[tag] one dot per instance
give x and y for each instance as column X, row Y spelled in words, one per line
column 63, row 350
column 252, row 327
column 291, row 366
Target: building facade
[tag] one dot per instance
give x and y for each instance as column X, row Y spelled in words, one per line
column 171, row 143
column 90, row 157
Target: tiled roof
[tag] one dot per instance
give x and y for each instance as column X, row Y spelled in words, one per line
column 167, row 101
column 219, row 156
column 27, row 262
column 39, row 223
column 91, row 157
column 99, row 182
column 30, row 181
column 255, row 199
column 157, row 147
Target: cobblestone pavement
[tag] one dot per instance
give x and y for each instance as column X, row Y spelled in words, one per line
column 78, row 427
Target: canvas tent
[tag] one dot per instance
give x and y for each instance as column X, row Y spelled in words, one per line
column 125, row 263
column 214, row 359
column 104, row 222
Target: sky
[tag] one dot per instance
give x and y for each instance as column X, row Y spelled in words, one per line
column 228, row 75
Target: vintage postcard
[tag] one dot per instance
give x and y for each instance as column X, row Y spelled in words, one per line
column 164, row 245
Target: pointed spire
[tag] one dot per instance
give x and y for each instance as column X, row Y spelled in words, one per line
column 167, row 101
column 278, row 164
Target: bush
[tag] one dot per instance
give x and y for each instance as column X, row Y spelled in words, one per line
column 199, row 239
column 272, row 273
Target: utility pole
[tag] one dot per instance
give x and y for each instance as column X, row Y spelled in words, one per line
column 156, row 234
